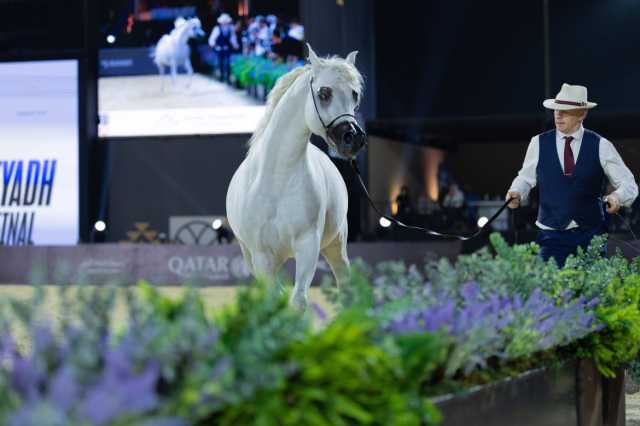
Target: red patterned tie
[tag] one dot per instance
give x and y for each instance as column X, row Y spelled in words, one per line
column 569, row 164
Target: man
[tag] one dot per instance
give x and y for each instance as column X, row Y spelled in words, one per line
column 405, row 206
column 569, row 165
column 223, row 39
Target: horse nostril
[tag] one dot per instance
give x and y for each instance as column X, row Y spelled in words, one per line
column 360, row 142
column 348, row 137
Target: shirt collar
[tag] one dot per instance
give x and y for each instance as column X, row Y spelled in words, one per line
column 577, row 135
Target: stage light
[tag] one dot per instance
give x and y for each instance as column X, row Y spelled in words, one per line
column 100, row 226
column 217, row 224
column 111, row 39
column 482, row 222
column 384, row 222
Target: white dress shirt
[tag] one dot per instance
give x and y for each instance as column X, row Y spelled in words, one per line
column 614, row 168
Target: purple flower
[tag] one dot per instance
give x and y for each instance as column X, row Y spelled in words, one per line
column 174, row 421
column 101, row 406
column 221, row 367
column 320, row 313
column 486, row 325
column 546, row 325
column 470, row 291
column 64, row 390
column 121, row 391
column 43, row 338
column 7, row 347
column 25, row 377
column 33, row 413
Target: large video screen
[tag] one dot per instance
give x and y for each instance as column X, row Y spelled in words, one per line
column 192, row 67
column 39, row 153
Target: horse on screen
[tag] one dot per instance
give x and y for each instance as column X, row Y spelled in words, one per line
column 173, row 49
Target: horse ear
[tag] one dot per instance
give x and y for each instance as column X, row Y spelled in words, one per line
column 313, row 58
column 351, row 57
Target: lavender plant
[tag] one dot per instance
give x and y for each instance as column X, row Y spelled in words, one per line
column 518, row 304
column 80, row 372
column 504, row 327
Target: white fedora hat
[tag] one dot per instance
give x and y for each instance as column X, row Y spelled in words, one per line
column 224, row 19
column 570, row 97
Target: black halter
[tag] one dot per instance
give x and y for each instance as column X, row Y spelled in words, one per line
column 332, row 122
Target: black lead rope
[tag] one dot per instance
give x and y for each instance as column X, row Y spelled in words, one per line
column 420, row 228
column 479, row 231
column 630, row 229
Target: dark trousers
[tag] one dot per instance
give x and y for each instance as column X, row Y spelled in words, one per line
column 560, row 244
column 224, row 62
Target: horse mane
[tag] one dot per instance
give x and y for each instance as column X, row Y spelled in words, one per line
column 346, row 70
column 279, row 89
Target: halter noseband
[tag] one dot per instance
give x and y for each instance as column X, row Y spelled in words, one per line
column 315, row 105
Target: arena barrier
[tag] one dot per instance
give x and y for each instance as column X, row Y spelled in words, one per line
column 220, row 265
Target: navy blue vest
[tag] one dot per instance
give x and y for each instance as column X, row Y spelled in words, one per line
column 223, row 41
column 577, row 197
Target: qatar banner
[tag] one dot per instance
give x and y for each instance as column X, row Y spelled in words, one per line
column 176, row 264
column 39, row 153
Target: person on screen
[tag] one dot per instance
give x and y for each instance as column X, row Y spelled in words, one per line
column 293, row 44
column 223, row 40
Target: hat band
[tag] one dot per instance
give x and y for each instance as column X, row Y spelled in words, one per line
column 570, row 103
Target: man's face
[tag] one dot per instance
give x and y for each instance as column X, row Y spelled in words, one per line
column 569, row 121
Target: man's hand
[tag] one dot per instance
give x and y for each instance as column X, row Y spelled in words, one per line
column 613, row 203
column 515, row 203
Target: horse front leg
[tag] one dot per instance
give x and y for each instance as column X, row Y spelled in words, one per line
column 174, row 71
column 162, row 77
column 189, row 68
column 307, row 250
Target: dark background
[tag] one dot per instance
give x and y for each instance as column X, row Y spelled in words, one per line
column 437, row 73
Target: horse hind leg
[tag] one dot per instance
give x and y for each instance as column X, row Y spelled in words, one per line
column 265, row 265
column 336, row 256
column 246, row 255
column 174, row 72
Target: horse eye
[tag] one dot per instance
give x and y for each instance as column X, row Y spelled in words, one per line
column 325, row 94
column 355, row 96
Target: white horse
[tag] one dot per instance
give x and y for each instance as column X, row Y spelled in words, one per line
column 287, row 199
column 173, row 48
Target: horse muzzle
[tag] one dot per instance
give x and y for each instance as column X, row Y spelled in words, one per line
column 348, row 137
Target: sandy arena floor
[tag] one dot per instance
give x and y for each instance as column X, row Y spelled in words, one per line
column 633, row 409
column 145, row 92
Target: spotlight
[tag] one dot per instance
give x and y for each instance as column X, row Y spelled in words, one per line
column 100, row 226
column 217, row 224
column 111, row 39
column 384, row 222
column 482, row 222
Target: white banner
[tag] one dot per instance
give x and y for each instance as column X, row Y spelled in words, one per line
column 39, row 194
column 185, row 121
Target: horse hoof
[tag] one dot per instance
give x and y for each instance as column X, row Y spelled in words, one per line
column 299, row 302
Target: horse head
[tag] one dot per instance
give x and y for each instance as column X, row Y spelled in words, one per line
column 196, row 27
column 334, row 96
column 187, row 28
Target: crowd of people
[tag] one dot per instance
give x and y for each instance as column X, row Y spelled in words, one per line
column 263, row 36
column 267, row 36
column 455, row 210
